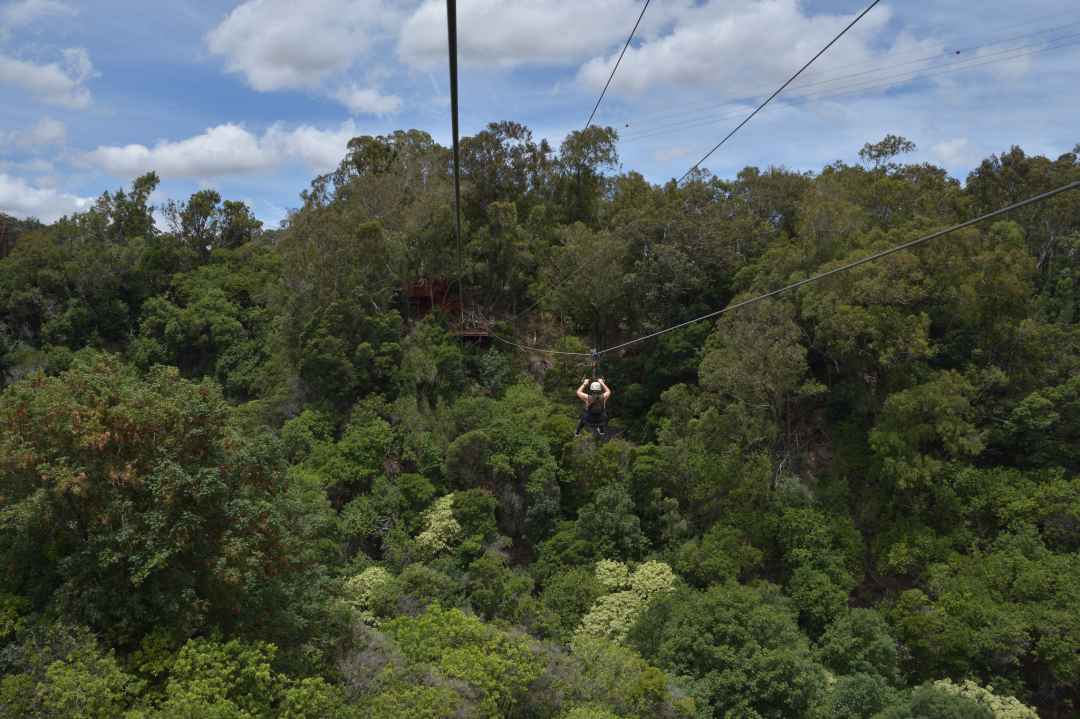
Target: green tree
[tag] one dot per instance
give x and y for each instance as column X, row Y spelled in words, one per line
column 929, row 702
column 581, row 281
column 858, row 696
column 502, row 163
column 497, row 447
column 983, row 612
column 756, row 360
column 860, row 642
column 226, row 680
column 729, row 638
column 134, row 502
column 1011, row 176
column 1002, row 707
column 614, row 676
column 880, row 153
column 495, row 590
column 498, row 666
column 722, row 553
column 59, row 671
column 583, row 156
column 569, row 594
column 921, row 426
column 214, row 321
column 610, row 526
column 337, row 328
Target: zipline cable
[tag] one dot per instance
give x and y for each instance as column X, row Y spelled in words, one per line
column 870, row 84
column 568, row 276
column 612, row 75
column 1033, row 40
column 888, row 62
column 802, row 100
column 565, row 277
column 801, row 283
column 881, row 82
column 790, row 80
column 527, row 348
column 451, row 29
column 851, row 265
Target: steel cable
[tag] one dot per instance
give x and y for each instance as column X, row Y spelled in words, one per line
column 851, row 265
column 780, row 89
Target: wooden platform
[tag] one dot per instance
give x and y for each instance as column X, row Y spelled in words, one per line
column 472, row 332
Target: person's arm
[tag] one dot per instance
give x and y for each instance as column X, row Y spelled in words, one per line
column 582, row 395
column 607, row 390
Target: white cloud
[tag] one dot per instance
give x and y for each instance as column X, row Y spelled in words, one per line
column 20, row 199
column 955, row 152
column 24, row 12
column 221, row 150
column 282, row 44
column 743, row 47
column 228, row 150
column 46, row 132
column 78, row 65
column 667, row 154
column 367, row 100
column 320, row 150
column 53, row 83
column 1007, row 66
column 507, row 34
column 37, row 166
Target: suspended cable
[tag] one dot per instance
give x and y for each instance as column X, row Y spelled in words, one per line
column 835, row 93
column 451, row 29
column 858, row 88
column 594, row 356
column 567, row 276
column 790, row 80
column 869, row 84
column 527, row 348
column 851, row 265
column 801, row 283
column 612, row 75
column 1029, row 40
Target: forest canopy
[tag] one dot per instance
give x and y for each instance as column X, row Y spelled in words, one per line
column 297, row 472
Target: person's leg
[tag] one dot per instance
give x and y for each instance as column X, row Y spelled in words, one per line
column 580, row 424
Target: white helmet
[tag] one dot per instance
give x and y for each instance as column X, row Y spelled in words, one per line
column 596, row 387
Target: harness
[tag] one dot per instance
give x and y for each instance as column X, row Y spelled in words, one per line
column 595, row 411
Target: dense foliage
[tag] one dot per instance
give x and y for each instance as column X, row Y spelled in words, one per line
column 287, row 473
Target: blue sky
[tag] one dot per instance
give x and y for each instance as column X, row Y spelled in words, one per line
column 255, row 98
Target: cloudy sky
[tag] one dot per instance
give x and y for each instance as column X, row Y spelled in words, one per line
column 254, row 98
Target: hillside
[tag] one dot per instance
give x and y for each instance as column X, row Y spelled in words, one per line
column 307, row 471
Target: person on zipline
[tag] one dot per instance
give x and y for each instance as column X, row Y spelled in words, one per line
column 595, row 414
